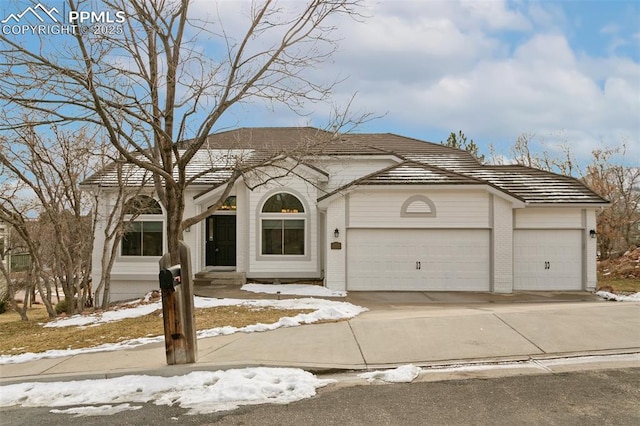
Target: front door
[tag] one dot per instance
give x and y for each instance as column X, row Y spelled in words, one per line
column 221, row 240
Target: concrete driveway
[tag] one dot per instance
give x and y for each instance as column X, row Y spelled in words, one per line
column 375, row 300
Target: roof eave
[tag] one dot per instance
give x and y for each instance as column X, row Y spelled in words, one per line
column 569, row 204
column 325, row 200
column 211, row 192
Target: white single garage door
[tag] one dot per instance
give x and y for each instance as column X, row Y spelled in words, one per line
column 547, row 259
column 418, row 260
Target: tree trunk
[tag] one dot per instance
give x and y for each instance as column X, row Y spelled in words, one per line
column 175, row 210
column 25, row 303
column 46, row 299
column 11, row 294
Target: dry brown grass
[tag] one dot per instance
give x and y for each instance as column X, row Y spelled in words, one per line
column 619, row 285
column 17, row 337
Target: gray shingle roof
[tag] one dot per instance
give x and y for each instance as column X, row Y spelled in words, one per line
column 537, row 186
column 410, row 173
column 424, row 163
column 210, row 167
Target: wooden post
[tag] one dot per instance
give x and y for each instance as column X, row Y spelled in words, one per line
column 187, row 305
column 178, row 313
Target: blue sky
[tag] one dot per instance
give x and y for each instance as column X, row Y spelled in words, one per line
column 567, row 72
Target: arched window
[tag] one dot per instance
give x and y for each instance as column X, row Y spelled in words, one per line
column 143, row 234
column 283, row 223
column 142, row 204
column 418, row 206
column 283, row 202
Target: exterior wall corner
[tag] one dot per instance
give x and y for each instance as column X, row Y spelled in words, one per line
column 591, row 251
column 336, row 259
column 502, row 246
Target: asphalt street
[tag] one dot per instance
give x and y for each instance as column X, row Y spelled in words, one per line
column 598, row 397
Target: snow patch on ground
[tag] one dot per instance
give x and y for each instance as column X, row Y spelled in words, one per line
column 618, row 297
column 206, row 392
column 323, row 310
column 294, row 289
column 107, row 316
column 100, row 410
column 402, row 374
column 199, row 392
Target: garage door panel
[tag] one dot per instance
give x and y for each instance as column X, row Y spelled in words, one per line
column 547, row 259
column 385, row 259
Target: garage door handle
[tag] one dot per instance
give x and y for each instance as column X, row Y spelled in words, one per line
column 547, row 265
column 418, row 265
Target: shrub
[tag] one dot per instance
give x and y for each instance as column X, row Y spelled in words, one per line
column 3, row 307
column 61, row 306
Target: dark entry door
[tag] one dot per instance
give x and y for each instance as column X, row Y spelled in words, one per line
column 221, row 241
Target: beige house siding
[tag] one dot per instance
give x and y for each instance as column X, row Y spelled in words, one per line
column 501, row 245
column 454, row 208
column 336, row 258
column 548, row 218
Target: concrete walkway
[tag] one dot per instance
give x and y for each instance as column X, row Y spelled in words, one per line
column 400, row 328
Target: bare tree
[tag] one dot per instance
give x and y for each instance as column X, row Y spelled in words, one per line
column 14, row 213
column 606, row 175
column 55, row 224
column 11, row 243
column 112, row 221
column 523, row 153
column 154, row 83
column 618, row 224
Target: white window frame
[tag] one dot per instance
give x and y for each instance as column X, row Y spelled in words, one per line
column 145, row 218
column 283, row 216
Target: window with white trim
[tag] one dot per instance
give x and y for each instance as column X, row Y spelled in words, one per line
column 283, row 223
column 143, row 236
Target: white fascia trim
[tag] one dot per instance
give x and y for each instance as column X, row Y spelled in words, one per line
column 490, row 189
column 516, row 203
column 567, row 205
column 215, row 192
column 321, row 177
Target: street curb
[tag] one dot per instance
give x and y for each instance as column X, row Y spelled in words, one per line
column 179, row 370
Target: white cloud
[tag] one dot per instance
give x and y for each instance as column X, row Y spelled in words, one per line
column 547, row 15
column 494, row 69
column 442, row 66
column 495, row 15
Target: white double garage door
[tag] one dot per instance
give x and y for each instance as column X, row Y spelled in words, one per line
column 459, row 260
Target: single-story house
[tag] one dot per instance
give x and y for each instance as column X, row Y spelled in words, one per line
column 368, row 212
